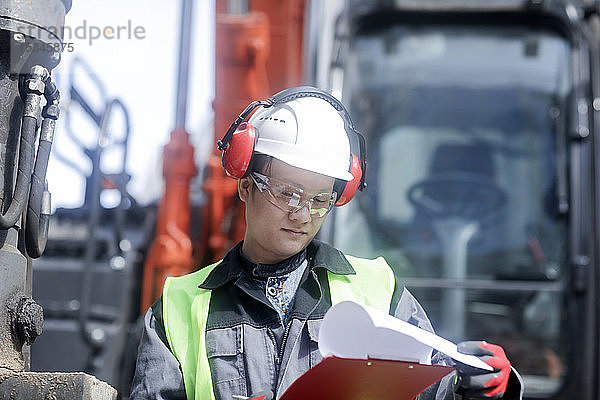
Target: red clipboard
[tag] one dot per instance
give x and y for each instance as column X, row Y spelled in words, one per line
column 351, row 379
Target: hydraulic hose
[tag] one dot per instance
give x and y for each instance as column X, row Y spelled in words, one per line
column 18, row 201
column 34, row 91
column 38, row 210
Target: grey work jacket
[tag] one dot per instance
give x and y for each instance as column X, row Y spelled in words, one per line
column 250, row 350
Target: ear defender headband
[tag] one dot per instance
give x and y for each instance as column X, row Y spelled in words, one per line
column 238, row 143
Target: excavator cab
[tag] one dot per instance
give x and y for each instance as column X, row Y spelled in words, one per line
column 480, row 172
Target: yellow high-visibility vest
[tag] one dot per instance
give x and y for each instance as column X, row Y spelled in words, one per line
column 185, row 312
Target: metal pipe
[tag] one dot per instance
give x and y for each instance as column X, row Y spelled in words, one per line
column 96, row 343
column 185, row 37
column 90, row 250
column 122, row 176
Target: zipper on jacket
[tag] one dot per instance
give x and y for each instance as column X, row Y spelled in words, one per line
column 286, row 333
column 275, row 353
column 289, row 324
column 281, row 378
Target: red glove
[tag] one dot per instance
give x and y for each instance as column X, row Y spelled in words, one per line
column 268, row 395
column 475, row 383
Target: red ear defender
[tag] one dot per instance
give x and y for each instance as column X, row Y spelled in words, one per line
column 236, row 157
column 351, row 186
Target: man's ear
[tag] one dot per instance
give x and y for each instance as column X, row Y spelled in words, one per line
column 244, row 188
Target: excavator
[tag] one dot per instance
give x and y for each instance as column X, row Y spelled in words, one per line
column 480, row 120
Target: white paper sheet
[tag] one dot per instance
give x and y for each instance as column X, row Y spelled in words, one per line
column 351, row 330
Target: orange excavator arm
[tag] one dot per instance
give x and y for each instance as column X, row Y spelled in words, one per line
column 258, row 51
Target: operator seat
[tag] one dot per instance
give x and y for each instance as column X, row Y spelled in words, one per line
column 460, row 184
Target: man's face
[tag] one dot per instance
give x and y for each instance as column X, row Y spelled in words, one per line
column 272, row 234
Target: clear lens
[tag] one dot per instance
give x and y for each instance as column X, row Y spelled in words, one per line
column 290, row 198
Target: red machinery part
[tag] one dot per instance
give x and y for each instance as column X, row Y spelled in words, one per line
column 256, row 54
column 171, row 251
column 242, row 45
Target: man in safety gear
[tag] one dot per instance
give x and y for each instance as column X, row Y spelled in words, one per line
column 249, row 324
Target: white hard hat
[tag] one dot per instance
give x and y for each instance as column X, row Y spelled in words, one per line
column 307, row 133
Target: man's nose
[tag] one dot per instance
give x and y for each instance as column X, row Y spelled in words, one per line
column 303, row 213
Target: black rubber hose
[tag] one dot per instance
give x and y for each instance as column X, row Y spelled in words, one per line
column 38, row 213
column 36, row 228
column 26, row 149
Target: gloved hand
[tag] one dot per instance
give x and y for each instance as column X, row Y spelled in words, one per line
column 475, row 383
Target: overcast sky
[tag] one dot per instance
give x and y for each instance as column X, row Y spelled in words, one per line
column 138, row 67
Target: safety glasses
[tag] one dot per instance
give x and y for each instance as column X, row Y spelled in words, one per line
column 290, row 198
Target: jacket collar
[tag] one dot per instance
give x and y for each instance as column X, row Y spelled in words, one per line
column 320, row 255
column 323, row 255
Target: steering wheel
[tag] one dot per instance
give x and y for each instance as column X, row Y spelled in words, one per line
column 459, row 194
